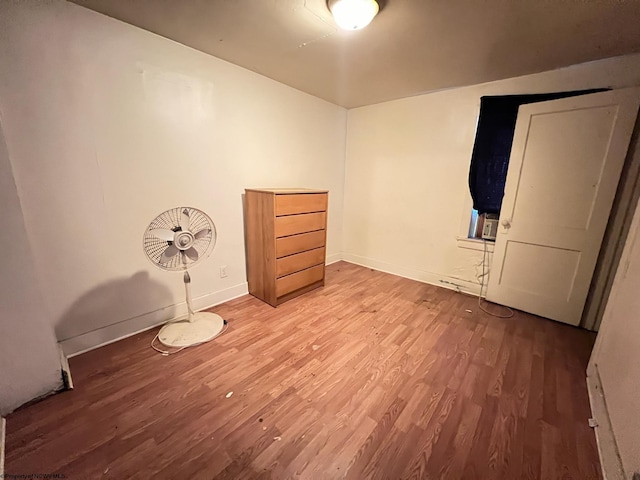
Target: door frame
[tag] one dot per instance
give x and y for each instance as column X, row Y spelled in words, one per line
column 615, row 236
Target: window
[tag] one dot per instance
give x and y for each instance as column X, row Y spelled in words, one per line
column 477, row 225
column 473, row 225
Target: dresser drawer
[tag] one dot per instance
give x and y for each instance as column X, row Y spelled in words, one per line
column 299, row 261
column 294, row 224
column 301, row 203
column 299, row 243
column 298, row 280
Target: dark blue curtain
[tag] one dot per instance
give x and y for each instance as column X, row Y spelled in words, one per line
column 492, row 147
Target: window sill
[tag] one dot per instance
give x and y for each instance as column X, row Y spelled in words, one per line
column 475, row 244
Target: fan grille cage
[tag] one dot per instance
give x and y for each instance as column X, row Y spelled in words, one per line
column 170, row 220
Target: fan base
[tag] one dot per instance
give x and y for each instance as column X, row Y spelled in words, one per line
column 204, row 326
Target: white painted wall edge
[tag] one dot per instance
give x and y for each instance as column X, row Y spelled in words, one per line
column 132, row 326
column 3, row 432
column 66, row 371
column 475, row 244
column 333, row 258
column 431, row 278
column 610, row 461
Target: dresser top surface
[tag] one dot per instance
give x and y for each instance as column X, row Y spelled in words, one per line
column 285, row 191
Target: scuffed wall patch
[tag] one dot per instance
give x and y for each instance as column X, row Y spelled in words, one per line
column 177, row 97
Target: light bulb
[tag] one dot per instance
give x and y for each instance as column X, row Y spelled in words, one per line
column 354, row 14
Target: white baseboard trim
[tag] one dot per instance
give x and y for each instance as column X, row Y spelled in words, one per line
column 3, row 434
column 431, row 278
column 132, row 326
column 610, row 461
column 333, row 258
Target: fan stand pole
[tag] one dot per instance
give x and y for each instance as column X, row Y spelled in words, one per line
column 187, row 289
column 197, row 328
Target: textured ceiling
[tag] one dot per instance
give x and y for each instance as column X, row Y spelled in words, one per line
column 411, row 47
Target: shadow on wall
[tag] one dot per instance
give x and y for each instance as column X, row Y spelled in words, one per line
column 244, row 232
column 115, row 302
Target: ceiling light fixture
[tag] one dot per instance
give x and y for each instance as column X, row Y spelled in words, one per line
column 354, row 14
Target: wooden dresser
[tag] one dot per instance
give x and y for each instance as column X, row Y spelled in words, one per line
column 286, row 237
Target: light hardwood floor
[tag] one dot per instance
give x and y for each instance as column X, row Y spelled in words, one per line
column 372, row 376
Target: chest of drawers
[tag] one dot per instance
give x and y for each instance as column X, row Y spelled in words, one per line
column 285, row 232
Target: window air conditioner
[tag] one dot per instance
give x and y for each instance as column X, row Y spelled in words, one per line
column 490, row 228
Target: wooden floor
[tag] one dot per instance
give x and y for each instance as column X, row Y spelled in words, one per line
column 373, row 376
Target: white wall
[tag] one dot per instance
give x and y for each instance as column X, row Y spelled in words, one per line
column 29, row 363
column 108, row 125
column 617, row 352
column 406, row 189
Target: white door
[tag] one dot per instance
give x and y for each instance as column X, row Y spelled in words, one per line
column 564, row 168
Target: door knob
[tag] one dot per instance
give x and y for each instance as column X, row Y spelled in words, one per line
column 506, row 223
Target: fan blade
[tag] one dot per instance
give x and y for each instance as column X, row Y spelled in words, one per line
column 162, row 234
column 202, row 233
column 169, row 253
column 185, row 221
column 192, row 253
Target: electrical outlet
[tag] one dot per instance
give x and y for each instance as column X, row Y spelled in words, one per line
column 223, row 271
